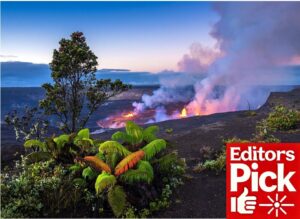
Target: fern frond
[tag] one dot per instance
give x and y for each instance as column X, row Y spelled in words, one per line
column 84, row 133
column 61, row 140
column 149, row 133
column 103, row 181
column 129, row 162
column 121, row 137
column 147, row 167
column 112, row 159
column 165, row 163
column 144, row 172
column 97, row 163
column 101, row 156
column 89, row 173
column 135, row 132
column 117, row 200
column 153, row 148
column 34, row 143
column 113, row 147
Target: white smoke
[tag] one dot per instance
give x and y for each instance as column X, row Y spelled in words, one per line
column 199, row 59
column 254, row 39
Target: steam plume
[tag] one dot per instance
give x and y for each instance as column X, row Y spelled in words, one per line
column 254, row 41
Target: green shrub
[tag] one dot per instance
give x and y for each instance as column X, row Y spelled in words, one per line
column 263, row 133
column 282, row 118
column 218, row 164
column 42, row 189
column 169, row 130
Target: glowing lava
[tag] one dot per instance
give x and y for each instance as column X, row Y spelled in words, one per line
column 183, row 113
column 128, row 115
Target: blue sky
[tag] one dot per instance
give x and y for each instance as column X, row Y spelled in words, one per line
column 140, row 36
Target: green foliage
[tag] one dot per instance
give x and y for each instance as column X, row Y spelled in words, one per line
column 61, row 140
column 122, row 172
column 149, row 134
column 153, row 148
column 38, row 156
column 88, row 173
column 218, row 164
column 83, row 138
column 169, row 130
column 234, row 140
column 135, row 135
column 131, row 170
column 83, row 133
column 263, row 133
column 113, row 147
column 112, row 159
column 122, row 137
column 104, row 181
column 282, row 118
column 117, row 200
column 76, row 88
column 75, row 167
column 143, row 173
column 35, row 144
column 250, row 113
column 38, row 190
column 135, row 132
column 170, row 164
column 63, row 148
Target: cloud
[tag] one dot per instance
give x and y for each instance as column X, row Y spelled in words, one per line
column 113, row 70
column 5, row 58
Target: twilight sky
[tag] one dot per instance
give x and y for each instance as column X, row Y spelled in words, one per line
column 140, row 36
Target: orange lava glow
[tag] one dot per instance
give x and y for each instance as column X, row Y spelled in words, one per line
column 128, row 115
column 183, row 113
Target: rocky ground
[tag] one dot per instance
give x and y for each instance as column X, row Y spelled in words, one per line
column 203, row 194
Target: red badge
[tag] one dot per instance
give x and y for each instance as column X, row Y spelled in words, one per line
column 263, row 180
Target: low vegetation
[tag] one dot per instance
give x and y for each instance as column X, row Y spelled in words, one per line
column 279, row 119
column 131, row 175
column 282, row 118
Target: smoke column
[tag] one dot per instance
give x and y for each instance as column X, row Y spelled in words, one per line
column 254, row 43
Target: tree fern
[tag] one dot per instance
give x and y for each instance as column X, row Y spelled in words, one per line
column 144, row 172
column 104, row 181
column 117, row 200
column 129, row 162
column 97, row 163
column 153, row 148
column 135, row 132
column 149, row 133
column 113, row 147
